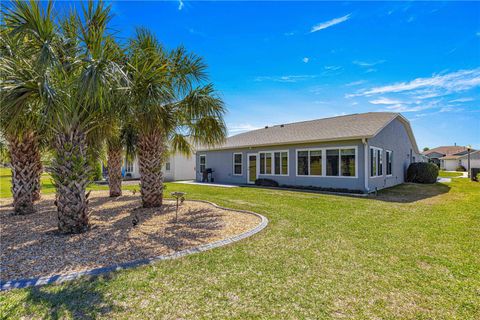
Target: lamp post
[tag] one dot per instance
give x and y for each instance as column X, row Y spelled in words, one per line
column 469, row 147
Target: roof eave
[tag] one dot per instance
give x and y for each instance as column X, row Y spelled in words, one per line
column 288, row 143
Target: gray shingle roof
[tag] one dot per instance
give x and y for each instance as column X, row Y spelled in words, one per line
column 354, row 126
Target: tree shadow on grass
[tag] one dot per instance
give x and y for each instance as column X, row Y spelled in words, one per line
column 411, row 192
column 81, row 299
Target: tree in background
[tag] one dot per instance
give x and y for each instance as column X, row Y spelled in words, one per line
column 426, row 149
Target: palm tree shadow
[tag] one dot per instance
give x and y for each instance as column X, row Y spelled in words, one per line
column 192, row 227
column 78, row 300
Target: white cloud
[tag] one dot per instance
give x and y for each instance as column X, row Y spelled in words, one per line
column 329, row 23
column 289, row 78
column 305, row 60
column 355, row 83
column 385, row 101
column 462, row 100
column 332, row 68
column 367, row 64
column 443, row 83
column 180, row 4
column 239, row 128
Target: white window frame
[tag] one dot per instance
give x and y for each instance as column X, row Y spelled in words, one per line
column 128, row 165
column 308, row 162
column 200, row 162
column 169, row 168
column 324, row 162
column 272, row 152
column 241, row 164
column 386, row 163
column 378, row 162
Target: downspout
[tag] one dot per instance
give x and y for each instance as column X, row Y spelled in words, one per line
column 365, row 157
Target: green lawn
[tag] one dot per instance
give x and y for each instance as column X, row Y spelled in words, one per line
column 47, row 184
column 413, row 252
column 448, row 174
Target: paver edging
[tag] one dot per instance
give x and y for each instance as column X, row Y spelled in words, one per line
column 59, row 278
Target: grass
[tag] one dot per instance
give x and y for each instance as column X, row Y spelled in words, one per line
column 47, row 184
column 449, row 174
column 413, row 253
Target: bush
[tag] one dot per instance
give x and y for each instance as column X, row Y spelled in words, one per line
column 266, row 183
column 461, row 168
column 96, row 174
column 422, row 172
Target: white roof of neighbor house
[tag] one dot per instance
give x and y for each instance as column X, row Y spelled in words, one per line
column 348, row 127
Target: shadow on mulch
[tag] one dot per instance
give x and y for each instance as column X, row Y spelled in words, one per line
column 32, row 246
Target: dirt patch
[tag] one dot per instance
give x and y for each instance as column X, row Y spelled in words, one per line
column 31, row 246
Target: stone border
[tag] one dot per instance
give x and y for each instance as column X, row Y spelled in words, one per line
column 59, row 278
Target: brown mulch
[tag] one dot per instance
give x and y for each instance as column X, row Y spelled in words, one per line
column 31, row 246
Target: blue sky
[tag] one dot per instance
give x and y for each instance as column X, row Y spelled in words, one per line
column 279, row 62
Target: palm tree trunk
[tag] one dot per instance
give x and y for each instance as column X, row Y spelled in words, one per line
column 71, row 171
column 114, row 170
column 26, row 172
column 151, row 149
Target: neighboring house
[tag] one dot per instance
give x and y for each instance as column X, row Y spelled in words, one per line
column 435, row 154
column 361, row 152
column 450, row 163
column 177, row 167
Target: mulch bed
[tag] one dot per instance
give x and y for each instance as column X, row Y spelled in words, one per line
column 31, row 246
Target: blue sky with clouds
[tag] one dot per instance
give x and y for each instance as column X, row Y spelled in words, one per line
column 278, row 62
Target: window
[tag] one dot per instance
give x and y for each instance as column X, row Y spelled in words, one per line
column 315, row 162
column 167, row 166
column 309, row 162
column 332, row 162
column 281, row 162
column 302, row 163
column 388, row 161
column 338, row 162
column 348, row 162
column 237, row 164
column 203, row 162
column 274, row 163
column 376, row 164
column 128, row 166
column 268, row 163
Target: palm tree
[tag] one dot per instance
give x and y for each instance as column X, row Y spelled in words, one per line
column 84, row 105
column 170, row 106
column 25, row 55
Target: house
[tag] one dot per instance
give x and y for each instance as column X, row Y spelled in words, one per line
column 177, row 167
column 360, row 152
column 435, row 154
column 452, row 162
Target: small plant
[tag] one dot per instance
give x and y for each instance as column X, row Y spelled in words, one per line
column 461, row 168
column 422, row 172
column 266, row 183
column 180, row 197
column 134, row 191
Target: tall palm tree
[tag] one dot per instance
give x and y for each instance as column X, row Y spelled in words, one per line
column 84, row 105
column 170, row 106
column 26, row 53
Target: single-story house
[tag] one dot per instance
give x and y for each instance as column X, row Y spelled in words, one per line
column 451, row 162
column 435, row 154
column 360, row 152
column 177, row 167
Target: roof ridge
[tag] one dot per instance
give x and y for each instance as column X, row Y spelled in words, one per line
column 312, row 120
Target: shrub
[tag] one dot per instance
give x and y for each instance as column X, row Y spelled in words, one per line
column 266, row 183
column 461, row 168
column 422, row 172
column 96, row 171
